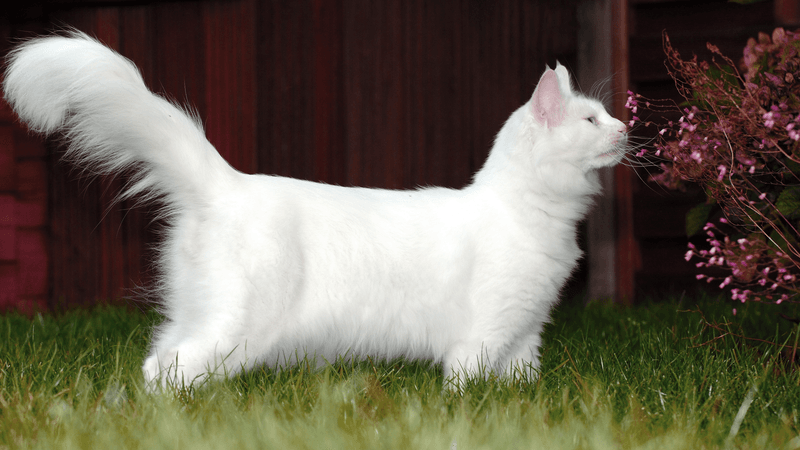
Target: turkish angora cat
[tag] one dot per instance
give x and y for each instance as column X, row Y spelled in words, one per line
column 257, row 269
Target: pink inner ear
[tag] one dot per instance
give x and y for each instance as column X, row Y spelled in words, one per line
column 548, row 103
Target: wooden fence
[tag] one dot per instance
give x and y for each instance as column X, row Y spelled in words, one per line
column 385, row 94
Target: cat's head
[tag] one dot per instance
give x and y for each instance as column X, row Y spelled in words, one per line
column 571, row 128
column 556, row 140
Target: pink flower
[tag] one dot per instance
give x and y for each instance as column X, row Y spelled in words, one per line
column 738, row 162
column 774, row 79
column 769, row 119
column 631, row 103
column 722, row 171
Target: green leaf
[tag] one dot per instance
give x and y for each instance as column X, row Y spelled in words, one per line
column 792, row 166
column 788, row 203
column 697, row 218
column 724, row 73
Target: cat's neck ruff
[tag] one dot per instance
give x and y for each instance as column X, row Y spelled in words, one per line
column 522, row 171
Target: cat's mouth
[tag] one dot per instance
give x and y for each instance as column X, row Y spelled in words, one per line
column 608, row 154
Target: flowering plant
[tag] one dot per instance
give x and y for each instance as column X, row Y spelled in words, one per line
column 737, row 138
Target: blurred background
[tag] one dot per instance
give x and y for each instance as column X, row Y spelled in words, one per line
column 390, row 94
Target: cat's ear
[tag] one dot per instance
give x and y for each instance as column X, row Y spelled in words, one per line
column 563, row 78
column 548, row 102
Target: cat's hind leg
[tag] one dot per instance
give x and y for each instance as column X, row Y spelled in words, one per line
column 207, row 330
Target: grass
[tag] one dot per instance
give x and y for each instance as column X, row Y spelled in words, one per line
column 661, row 375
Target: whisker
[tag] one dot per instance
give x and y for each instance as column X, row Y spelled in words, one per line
column 600, row 92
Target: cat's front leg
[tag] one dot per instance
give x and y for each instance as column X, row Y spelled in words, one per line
column 523, row 362
column 467, row 361
column 516, row 360
column 190, row 363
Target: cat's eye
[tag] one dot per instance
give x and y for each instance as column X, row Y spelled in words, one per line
column 592, row 120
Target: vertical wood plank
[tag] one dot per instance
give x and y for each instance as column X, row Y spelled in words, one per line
column 594, row 66
column 329, row 144
column 111, row 265
column 8, row 228
column 138, row 234
column 627, row 253
column 9, row 275
column 230, row 80
column 374, row 91
column 178, row 54
column 285, row 102
column 75, row 209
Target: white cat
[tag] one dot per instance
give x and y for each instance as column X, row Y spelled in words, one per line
column 257, row 269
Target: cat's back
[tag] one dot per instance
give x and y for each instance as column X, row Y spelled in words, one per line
column 281, row 198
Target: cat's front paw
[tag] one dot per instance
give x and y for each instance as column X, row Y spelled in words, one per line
column 168, row 370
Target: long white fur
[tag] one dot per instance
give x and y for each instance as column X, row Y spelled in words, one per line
column 257, row 269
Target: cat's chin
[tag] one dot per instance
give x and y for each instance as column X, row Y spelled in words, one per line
column 606, row 159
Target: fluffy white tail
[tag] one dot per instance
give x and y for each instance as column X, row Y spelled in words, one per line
column 113, row 123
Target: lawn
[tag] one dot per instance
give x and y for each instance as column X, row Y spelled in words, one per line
column 675, row 374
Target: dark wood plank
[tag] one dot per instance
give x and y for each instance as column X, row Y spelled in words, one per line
column 230, row 90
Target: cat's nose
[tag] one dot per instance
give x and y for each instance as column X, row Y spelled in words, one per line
column 622, row 135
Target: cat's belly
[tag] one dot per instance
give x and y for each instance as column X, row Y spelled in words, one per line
column 416, row 315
